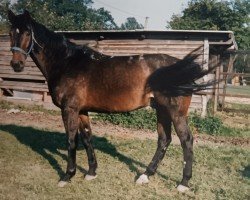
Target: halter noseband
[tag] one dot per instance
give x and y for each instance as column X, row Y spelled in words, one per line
column 30, row 49
column 21, row 50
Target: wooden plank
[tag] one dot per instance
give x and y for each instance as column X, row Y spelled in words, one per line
column 226, row 95
column 199, row 59
column 26, row 68
column 193, row 47
column 150, row 49
column 5, row 53
column 12, row 72
column 148, row 41
column 144, row 51
column 22, row 76
column 7, row 63
column 25, row 86
column 5, row 44
column 236, row 74
column 206, row 54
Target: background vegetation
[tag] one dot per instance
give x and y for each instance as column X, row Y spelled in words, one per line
column 231, row 15
column 66, row 15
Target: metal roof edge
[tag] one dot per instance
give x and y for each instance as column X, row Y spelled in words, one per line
column 142, row 30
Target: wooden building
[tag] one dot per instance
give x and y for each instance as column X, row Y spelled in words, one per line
column 209, row 45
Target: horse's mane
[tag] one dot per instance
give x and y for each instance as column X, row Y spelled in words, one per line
column 52, row 42
column 60, row 45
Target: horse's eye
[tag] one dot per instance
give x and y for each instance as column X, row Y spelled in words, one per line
column 28, row 33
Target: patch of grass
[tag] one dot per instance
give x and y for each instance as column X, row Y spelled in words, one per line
column 6, row 105
column 28, row 108
column 213, row 125
column 33, row 160
column 238, row 89
column 237, row 106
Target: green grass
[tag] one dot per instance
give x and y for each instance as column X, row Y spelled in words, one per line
column 238, row 89
column 28, row 108
column 237, row 106
column 33, row 160
column 213, row 125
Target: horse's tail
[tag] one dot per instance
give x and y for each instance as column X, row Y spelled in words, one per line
column 179, row 78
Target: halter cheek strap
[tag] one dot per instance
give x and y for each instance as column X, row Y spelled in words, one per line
column 21, row 50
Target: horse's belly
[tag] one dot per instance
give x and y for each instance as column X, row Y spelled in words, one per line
column 119, row 103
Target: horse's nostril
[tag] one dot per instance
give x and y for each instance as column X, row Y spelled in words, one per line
column 17, row 65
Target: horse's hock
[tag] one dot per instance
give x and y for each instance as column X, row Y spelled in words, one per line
column 208, row 45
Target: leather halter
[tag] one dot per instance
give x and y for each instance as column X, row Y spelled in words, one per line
column 31, row 46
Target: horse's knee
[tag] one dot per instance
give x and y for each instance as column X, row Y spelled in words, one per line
column 72, row 143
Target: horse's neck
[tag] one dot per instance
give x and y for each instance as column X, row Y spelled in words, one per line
column 43, row 54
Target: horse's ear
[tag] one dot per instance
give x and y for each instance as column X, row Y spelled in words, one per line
column 11, row 16
column 27, row 15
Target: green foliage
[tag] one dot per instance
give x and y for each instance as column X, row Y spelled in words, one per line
column 242, row 63
column 143, row 118
column 146, row 119
column 210, row 125
column 4, row 4
column 216, row 15
column 213, row 125
column 131, row 24
column 62, row 15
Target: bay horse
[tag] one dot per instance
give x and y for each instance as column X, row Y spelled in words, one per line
column 81, row 80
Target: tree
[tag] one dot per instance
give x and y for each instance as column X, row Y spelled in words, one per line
column 131, row 24
column 4, row 4
column 64, row 14
column 216, row 15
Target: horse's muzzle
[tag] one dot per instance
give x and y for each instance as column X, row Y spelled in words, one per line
column 18, row 66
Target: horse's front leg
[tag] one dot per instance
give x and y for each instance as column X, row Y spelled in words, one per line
column 70, row 120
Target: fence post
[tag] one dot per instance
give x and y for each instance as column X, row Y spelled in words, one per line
column 225, row 77
column 216, row 86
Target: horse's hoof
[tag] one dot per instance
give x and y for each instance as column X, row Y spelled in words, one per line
column 62, row 183
column 143, row 179
column 182, row 188
column 89, row 177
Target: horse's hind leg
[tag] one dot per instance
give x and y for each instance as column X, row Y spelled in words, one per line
column 179, row 118
column 164, row 139
column 70, row 120
column 85, row 131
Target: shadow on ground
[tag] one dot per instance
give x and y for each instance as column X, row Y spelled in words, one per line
column 42, row 141
column 246, row 172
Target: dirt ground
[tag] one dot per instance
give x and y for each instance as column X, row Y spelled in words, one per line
column 43, row 120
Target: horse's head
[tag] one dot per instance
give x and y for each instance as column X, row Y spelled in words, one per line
column 20, row 39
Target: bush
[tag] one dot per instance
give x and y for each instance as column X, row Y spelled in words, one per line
column 146, row 119
column 140, row 119
column 210, row 124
